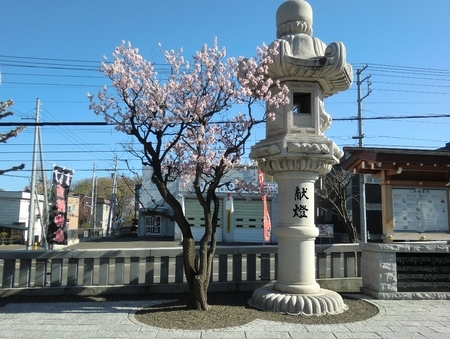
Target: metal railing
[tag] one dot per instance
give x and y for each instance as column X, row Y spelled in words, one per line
column 159, row 270
column 85, row 233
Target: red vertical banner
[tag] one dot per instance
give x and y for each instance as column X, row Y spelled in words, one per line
column 57, row 233
column 267, row 225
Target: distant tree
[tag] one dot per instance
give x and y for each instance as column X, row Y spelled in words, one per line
column 125, row 200
column 189, row 127
column 124, row 197
column 334, row 192
column 4, row 105
column 84, row 210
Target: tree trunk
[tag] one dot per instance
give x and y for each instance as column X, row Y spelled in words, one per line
column 199, row 299
column 197, row 283
column 197, row 268
column 351, row 231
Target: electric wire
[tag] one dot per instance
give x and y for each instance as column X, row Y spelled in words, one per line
column 77, row 71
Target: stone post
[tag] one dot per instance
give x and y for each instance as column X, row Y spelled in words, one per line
column 296, row 152
column 296, row 232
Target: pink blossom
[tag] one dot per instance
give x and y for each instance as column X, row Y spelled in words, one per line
column 195, row 125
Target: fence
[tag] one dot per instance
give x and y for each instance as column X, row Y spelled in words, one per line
column 160, row 270
column 85, row 233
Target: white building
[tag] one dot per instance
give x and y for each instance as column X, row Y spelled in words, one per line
column 102, row 215
column 14, row 214
column 243, row 224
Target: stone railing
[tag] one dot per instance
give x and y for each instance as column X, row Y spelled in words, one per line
column 160, row 270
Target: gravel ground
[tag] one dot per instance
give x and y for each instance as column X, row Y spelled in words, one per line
column 231, row 309
column 228, row 309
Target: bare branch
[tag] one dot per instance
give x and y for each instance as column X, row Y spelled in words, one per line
column 333, row 193
column 13, row 133
column 12, row 169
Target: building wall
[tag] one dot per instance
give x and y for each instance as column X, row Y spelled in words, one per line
column 102, row 216
column 15, row 210
column 11, row 209
column 373, row 208
column 73, row 210
column 149, row 194
column 244, row 224
column 252, row 203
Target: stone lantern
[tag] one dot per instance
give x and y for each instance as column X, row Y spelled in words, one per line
column 296, row 152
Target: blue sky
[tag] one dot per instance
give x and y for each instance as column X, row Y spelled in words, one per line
column 51, row 50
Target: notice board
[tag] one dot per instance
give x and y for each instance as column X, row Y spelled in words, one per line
column 420, row 209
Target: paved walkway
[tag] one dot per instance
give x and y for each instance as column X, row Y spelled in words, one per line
column 101, row 320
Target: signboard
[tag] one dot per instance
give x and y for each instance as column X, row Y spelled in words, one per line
column 326, row 230
column 270, row 188
column 420, row 210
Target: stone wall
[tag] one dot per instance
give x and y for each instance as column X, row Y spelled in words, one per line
column 379, row 269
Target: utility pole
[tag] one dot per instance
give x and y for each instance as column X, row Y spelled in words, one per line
column 112, row 205
column 45, row 212
column 362, row 177
column 32, row 211
column 93, row 200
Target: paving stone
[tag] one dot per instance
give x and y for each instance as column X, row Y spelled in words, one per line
column 408, row 319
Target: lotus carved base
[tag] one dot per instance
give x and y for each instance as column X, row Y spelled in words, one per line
column 319, row 304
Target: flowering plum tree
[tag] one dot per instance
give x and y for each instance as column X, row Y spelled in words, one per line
column 190, row 128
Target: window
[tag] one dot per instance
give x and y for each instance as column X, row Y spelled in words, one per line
column 302, row 103
column 302, row 110
column 153, row 225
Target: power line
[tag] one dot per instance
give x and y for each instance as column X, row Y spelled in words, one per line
column 355, row 64
column 78, row 69
column 55, row 75
column 47, row 59
column 409, row 68
column 101, row 123
column 407, row 91
column 53, row 123
column 47, row 84
column 394, row 117
column 67, row 134
column 390, row 75
column 386, row 70
column 409, row 84
column 48, row 66
column 61, row 151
